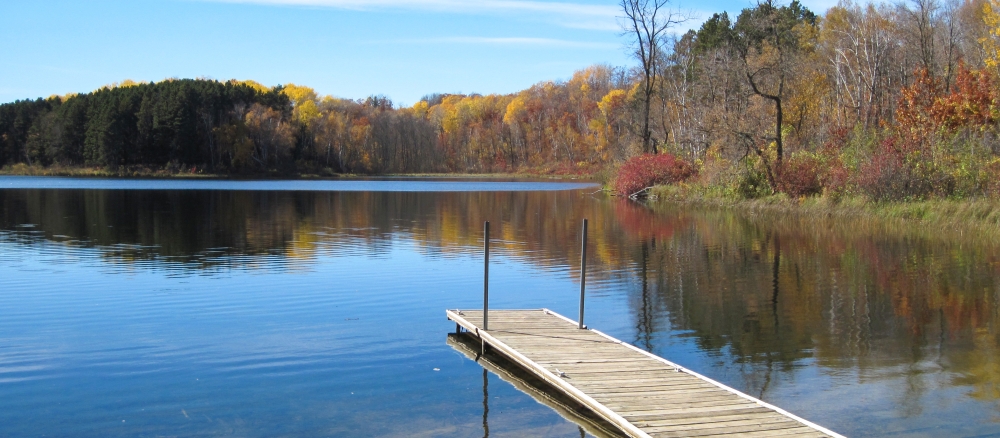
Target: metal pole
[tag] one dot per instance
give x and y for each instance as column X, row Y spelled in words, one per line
column 486, row 276
column 583, row 270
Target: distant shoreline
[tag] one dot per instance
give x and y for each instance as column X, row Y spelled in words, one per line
column 150, row 173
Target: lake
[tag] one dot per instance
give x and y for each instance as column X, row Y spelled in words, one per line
column 316, row 308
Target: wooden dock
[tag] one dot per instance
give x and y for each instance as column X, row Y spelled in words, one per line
column 641, row 394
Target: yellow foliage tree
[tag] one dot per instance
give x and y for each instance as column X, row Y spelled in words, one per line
column 252, row 84
column 514, row 110
column 299, row 94
column 304, row 108
column 991, row 43
column 420, row 109
column 123, row 84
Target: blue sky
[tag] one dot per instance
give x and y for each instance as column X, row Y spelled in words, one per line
column 403, row 49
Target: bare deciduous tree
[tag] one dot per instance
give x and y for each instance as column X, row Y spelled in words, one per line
column 647, row 22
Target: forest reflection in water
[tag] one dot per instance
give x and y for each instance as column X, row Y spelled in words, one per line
column 863, row 329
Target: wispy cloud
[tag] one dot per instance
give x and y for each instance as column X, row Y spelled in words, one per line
column 510, row 41
column 578, row 15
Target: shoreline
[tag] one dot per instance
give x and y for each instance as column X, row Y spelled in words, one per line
column 977, row 215
column 149, row 173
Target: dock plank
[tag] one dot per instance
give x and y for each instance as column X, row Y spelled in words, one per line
column 641, row 394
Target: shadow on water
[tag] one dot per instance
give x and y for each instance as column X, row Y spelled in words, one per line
column 588, row 422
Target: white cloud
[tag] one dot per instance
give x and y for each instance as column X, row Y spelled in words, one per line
column 577, row 15
column 512, row 41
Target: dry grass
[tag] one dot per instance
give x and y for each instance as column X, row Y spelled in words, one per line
column 121, row 172
column 977, row 219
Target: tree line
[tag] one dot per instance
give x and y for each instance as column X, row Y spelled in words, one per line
column 891, row 100
column 886, row 100
column 234, row 126
column 242, row 126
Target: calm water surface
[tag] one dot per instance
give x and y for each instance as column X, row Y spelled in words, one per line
column 317, row 308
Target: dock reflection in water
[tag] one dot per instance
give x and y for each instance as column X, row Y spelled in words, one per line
column 470, row 347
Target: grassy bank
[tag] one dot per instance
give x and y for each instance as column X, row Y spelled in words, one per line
column 22, row 169
column 941, row 217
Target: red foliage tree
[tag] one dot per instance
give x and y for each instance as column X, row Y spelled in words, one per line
column 914, row 115
column 972, row 101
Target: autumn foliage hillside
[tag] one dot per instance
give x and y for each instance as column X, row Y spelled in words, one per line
column 882, row 101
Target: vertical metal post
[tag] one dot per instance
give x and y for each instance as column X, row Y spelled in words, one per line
column 486, row 276
column 583, row 270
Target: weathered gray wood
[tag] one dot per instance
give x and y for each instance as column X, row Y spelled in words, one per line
column 641, row 394
column 731, row 429
column 712, row 419
column 689, row 390
column 748, row 425
column 663, row 416
column 571, row 361
column 649, row 370
column 638, row 390
column 655, row 398
column 801, row 431
column 643, row 413
column 662, row 407
column 611, row 379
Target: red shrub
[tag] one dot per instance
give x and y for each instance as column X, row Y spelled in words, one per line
column 799, row 176
column 647, row 170
column 836, row 137
column 836, row 179
column 889, row 176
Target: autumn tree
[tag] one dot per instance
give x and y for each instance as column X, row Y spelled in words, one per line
column 271, row 136
column 990, row 40
column 646, row 23
column 858, row 43
column 768, row 40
